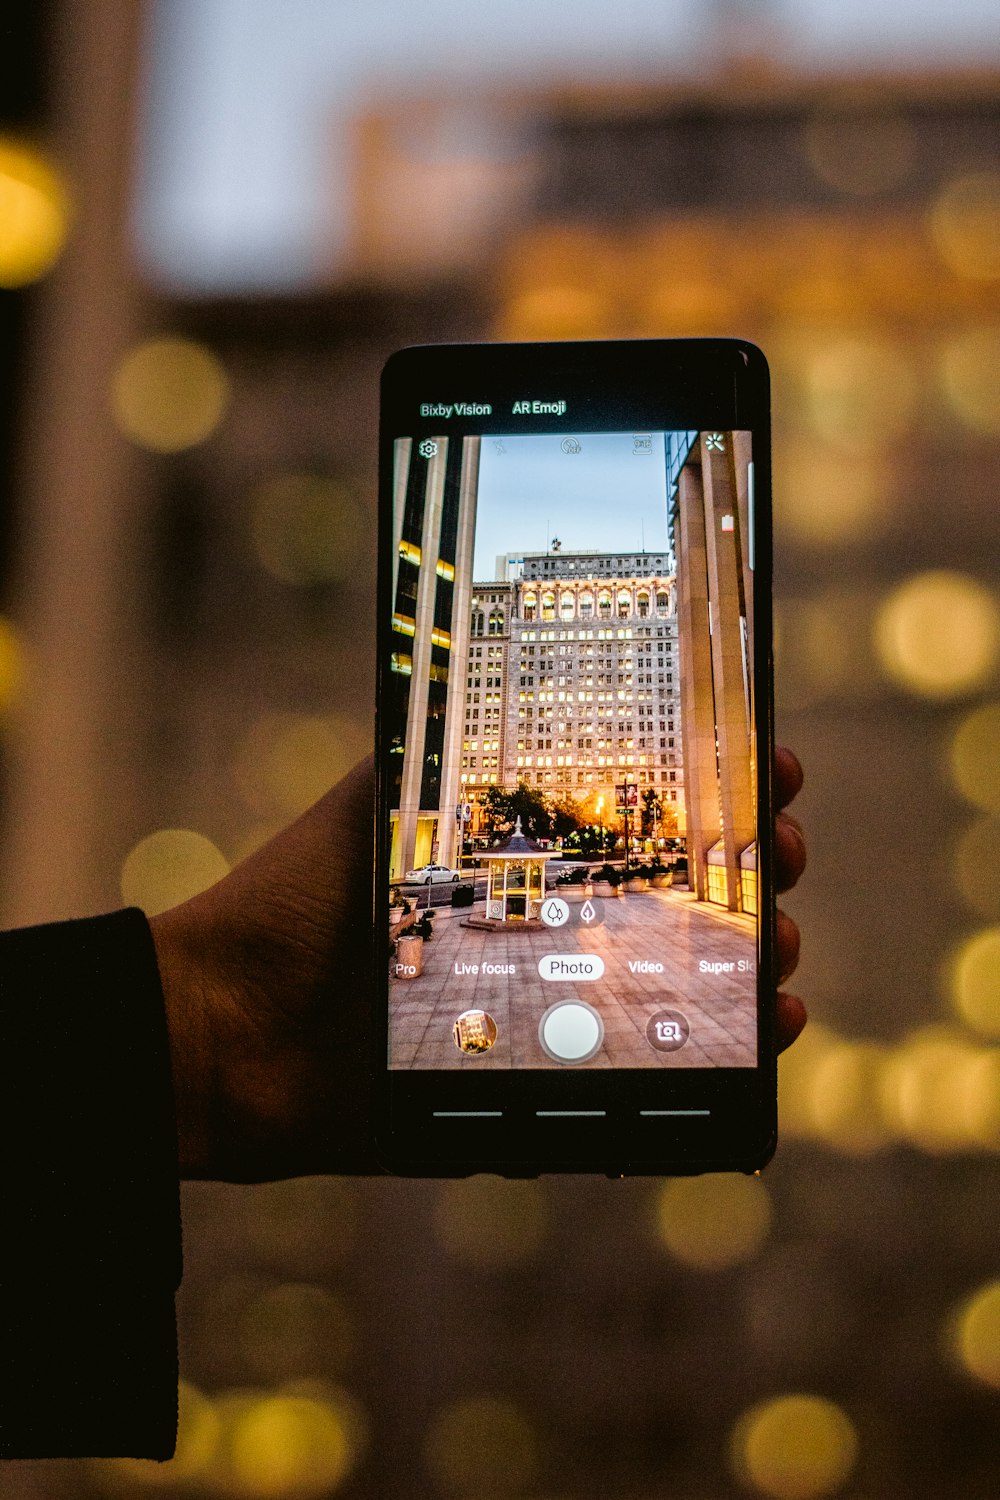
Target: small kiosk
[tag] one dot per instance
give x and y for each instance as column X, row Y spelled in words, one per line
column 515, row 881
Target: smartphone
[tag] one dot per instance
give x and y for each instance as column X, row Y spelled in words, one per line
column 575, row 917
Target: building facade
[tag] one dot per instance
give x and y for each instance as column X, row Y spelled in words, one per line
column 573, row 682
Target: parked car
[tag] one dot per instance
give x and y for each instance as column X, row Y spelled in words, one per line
column 433, row 875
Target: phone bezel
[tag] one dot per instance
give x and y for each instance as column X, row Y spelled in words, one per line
column 689, row 384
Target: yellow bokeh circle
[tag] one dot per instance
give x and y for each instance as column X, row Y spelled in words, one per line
column 795, row 1447
column 975, row 982
column 925, row 1089
column 287, row 761
column 844, row 1104
column 976, row 1332
column 864, row 150
column 289, row 1445
column 975, row 757
column 199, row 1429
column 965, row 225
column 34, row 213
column 938, row 633
column 860, row 392
column 305, row 529
column 168, row 867
column 714, row 1221
column 169, row 394
column 481, row 1445
column 970, row 375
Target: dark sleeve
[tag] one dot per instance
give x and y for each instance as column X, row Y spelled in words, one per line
column 90, row 1236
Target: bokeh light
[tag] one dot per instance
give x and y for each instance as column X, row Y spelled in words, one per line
column 975, row 757
column 168, row 867
column 169, row 394
column 557, row 310
column 977, row 860
column 11, row 663
column 481, row 1445
column 199, row 1430
column 970, row 375
column 288, row 761
column 926, row 1089
column 938, row 634
column 795, row 1447
column 965, row 225
column 34, row 213
column 823, row 647
column 490, row 1222
column 843, row 1106
column 975, row 981
column 827, row 498
column 290, row 1444
column 295, row 1330
column 981, row 1106
column 860, row 392
column 714, row 1221
column 862, row 150
column 797, row 1070
column 305, row 529
column 975, row 1330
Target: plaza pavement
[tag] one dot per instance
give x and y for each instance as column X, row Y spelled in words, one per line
column 667, row 926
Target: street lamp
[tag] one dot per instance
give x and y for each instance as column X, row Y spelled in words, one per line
column 600, row 819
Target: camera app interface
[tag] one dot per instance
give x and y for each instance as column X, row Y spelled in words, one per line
column 573, row 872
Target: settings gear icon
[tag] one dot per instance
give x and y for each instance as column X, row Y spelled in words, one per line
column 428, row 448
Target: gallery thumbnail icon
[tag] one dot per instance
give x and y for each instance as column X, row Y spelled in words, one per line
column 474, row 1031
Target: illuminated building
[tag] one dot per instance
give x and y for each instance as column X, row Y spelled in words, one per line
column 435, row 520
column 590, row 694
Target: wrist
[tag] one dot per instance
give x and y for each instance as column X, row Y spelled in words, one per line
column 187, row 1011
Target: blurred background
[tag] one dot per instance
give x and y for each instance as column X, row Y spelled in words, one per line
column 217, row 217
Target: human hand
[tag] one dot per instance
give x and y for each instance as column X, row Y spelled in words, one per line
column 269, row 992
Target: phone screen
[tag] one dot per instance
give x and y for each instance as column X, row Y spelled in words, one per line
column 569, row 720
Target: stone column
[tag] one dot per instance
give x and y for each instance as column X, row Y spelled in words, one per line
column 452, row 792
column 694, row 646
column 402, row 457
column 729, row 664
column 742, row 456
column 416, row 715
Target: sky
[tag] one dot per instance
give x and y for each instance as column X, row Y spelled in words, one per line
column 604, row 498
column 244, row 163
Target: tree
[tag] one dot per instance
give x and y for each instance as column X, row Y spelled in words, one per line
column 652, row 811
column 503, row 808
column 567, row 815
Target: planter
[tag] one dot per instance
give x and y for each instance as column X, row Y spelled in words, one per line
column 661, row 881
column 636, row 884
column 604, row 888
column 396, row 915
column 575, row 894
column 409, row 958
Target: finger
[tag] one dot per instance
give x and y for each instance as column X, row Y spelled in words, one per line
column 788, row 776
column 788, row 947
column 790, row 1017
column 789, row 852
